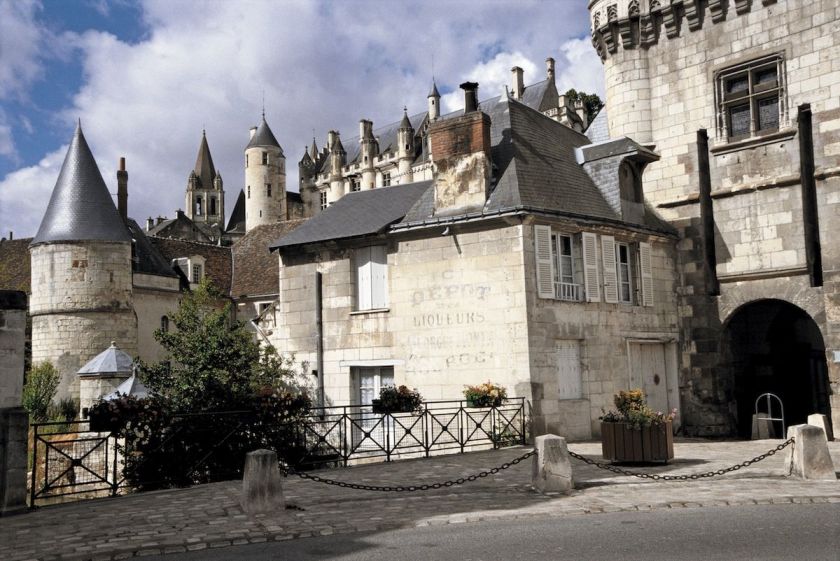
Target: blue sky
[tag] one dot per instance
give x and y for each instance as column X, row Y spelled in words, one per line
column 145, row 77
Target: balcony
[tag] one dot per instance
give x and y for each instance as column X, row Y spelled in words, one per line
column 568, row 292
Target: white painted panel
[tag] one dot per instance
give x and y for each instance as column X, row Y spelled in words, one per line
column 545, row 264
column 363, row 278
column 379, row 277
column 590, row 267
column 569, row 379
column 610, row 275
column 646, row 274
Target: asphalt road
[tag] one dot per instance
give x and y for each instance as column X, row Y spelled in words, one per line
column 765, row 532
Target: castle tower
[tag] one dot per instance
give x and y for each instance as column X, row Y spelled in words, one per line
column 434, row 102
column 205, row 198
column 81, row 272
column 370, row 150
column 265, row 178
column 405, row 150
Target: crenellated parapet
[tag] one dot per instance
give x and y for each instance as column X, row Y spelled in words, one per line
column 634, row 24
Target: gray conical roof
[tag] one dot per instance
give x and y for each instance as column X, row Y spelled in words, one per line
column 132, row 386
column 434, row 91
column 264, row 137
column 405, row 123
column 204, row 168
column 313, row 150
column 81, row 207
column 109, row 362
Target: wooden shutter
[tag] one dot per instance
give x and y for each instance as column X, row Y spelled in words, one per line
column 590, row 267
column 610, row 274
column 646, row 272
column 545, row 263
column 363, row 279
column 569, row 379
column 378, row 277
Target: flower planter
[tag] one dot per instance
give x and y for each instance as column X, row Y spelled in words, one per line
column 620, row 442
column 379, row 408
column 484, row 402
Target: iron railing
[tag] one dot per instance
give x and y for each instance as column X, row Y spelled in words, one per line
column 71, row 462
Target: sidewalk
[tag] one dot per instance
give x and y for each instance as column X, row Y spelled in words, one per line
column 210, row 516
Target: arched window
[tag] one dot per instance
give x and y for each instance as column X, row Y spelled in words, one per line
column 198, row 206
column 164, row 324
column 212, row 206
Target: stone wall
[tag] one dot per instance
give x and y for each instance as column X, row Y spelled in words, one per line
column 13, row 418
column 154, row 297
column 12, row 337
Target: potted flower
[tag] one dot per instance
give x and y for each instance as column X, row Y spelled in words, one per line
column 487, row 394
column 397, row 400
column 634, row 432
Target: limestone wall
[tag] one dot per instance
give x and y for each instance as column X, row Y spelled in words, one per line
column 12, row 338
column 154, row 297
column 260, row 208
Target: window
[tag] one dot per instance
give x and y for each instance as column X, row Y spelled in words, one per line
column 355, row 184
column 268, row 190
column 164, row 324
column 555, row 265
column 622, row 263
column 213, row 206
column 750, row 98
column 323, row 200
column 246, row 160
column 249, row 191
column 265, row 158
column 198, row 206
column 371, row 264
column 386, row 179
column 197, row 273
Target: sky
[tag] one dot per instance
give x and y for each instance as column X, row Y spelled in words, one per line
column 145, row 78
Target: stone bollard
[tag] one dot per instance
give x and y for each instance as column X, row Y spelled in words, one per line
column 821, row 421
column 262, row 487
column 552, row 469
column 809, row 458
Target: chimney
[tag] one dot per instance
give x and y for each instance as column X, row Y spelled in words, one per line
column 253, row 132
column 11, row 235
column 160, row 219
column 150, row 223
column 517, row 82
column 460, row 151
column 470, row 97
column 581, row 112
column 122, row 190
column 549, row 69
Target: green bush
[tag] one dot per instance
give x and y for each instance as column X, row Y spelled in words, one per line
column 39, row 391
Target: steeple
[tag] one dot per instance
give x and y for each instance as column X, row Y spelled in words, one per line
column 81, row 208
column 313, row 151
column 204, row 168
column 264, row 137
column 405, row 123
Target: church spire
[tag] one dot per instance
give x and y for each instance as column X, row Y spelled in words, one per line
column 204, row 168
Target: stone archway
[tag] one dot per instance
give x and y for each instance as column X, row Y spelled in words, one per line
column 774, row 346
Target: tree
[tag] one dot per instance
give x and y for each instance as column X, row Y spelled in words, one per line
column 213, row 362
column 39, row 391
column 592, row 104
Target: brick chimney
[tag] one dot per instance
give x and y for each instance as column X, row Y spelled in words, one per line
column 122, row 190
column 461, row 156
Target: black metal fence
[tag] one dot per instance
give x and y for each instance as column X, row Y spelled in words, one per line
column 70, row 461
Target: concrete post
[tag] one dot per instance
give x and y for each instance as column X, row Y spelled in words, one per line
column 14, row 421
column 262, row 487
column 552, row 468
column 821, row 421
column 809, row 458
column 762, row 427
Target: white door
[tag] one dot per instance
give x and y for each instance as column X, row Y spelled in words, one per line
column 370, row 380
column 648, row 371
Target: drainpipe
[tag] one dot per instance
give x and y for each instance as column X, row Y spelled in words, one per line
column 319, row 325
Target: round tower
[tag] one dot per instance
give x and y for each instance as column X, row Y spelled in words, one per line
column 265, row 178
column 370, row 150
column 81, row 272
column 405, row 150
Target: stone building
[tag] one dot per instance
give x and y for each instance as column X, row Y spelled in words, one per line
column 755, row 205
column 523, row 259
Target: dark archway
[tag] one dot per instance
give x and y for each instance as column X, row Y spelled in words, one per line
column 774, row 346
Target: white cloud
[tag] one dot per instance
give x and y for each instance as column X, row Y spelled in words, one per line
column 7, row 145
column 24, row 194
column 322, row 65
column 21, row 46
column 582, row 70
column 492, row 77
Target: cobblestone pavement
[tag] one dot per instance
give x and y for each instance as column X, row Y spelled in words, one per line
column 209, row 516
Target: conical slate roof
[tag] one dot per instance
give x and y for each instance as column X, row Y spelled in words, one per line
column 204, row 168
column 110, row 361
column 81, row 208
column 434, row 91
column 405, row 123
column 264, row 137
column 314, row 150
column 132, row 386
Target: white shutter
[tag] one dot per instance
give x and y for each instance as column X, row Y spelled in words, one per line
column 545, row 263
column 379, row 277
column 590, row 267
column 610, row 275
column 569, row 380
column 646, row 274
column 363, row 278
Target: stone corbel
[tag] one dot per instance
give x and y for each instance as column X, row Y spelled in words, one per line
column 692, row 14
column 768, row 2
column 718, row 10
column 671, row 19
column 625, row 30
column 599, row 46
column 609, row 39
column 742, row 6
column 647, row 30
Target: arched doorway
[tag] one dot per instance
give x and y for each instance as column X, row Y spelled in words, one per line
column 774, row 346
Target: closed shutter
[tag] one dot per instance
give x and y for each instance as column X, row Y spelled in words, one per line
column 610, row 276
column 545, row 263
column 646, row 274
column 569, row 379
column 379, row 277
column 590, row 267
column 363, row 278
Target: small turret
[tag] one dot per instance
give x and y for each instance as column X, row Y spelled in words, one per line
column 434, row 102
column 337, row 160
column 405, row 150
column 369, row 152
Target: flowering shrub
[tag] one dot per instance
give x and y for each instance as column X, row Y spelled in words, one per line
column 398, row 399
column 485, row 395
column 632, row 408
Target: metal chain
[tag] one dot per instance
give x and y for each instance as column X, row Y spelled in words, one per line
column 407, row 488
column 657, row 477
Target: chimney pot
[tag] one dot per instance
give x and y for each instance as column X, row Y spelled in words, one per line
column 253, row 132
column 11, row 235
column 122, row 163
column 518, row 83
column 470, row 96
column 150, row 223
column 549, row 68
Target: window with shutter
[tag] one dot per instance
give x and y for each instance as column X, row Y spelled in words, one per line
column 610, row 275
column 646, row 273
column 569, row 379
column 545, row 264
column 371, row 265
column 590, row 267
column 623, row 273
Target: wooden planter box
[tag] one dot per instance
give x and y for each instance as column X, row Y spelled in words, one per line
column 620, row 442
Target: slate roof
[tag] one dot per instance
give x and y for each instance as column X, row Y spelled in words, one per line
column 148, row 259
column 256, row 270
column 615, row 147
column 598, row 130
column 132, row 386
column 236, row 222
column 358, row 213
column 264, row 137
column 110, row 361
column 15, row 265
column 81, row 208
column 204, row 168
column 217, row 264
